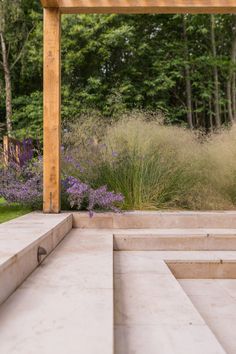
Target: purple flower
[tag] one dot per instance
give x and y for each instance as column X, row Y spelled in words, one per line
column 81, row 194
column 76, row 191
column 102, row 198
column 68, row 158
column 23, row 184
column 114, row 153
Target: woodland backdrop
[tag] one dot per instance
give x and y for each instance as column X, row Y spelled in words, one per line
column 182, row 67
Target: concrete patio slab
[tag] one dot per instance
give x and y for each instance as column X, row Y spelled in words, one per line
column 66, row 305
column 165, row 339
column 109, row 277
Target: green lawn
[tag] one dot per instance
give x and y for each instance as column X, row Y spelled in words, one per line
column 8, row 212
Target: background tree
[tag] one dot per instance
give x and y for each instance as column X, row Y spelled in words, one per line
column 187, row 74
column 180, row 66
column 14, row 32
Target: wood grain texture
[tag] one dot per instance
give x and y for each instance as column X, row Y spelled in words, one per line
column 147, row 6
column 49, row 3
column 52, row 111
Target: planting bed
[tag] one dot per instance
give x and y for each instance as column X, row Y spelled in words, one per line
column 126, row 284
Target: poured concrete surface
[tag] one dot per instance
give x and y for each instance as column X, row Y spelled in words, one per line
column 216, row 302
column 66, row 305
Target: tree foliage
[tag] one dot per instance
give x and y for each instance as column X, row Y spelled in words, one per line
column 172, row 64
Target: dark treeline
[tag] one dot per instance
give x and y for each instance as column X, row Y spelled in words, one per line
column 182, row 66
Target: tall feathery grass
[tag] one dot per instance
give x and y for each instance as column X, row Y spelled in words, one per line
column 149, row 163
column 156, row 166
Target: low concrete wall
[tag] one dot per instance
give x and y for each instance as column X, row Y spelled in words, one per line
column 149, row 219
column 218, row 269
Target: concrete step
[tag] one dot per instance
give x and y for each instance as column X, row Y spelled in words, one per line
column 155, row 219
column 66, row 305
column 152, row 312
column 215, row 299
column 175, row 239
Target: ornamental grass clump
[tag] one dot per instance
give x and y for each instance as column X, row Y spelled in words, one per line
column 220, row 165
column 83, row 145
column 152, row 165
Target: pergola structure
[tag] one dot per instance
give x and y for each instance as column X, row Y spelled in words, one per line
column 52, row 67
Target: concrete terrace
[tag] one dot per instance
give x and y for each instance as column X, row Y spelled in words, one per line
column 135, row 283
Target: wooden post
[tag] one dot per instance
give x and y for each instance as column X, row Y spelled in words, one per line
column 52, row 111
column 6, row 150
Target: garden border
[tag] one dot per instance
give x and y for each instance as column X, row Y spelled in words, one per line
column 52, row 67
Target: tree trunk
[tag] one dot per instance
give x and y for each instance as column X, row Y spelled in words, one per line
column 231, row 77
column 215, row 73
column 7, row 77
column 234, row 93
column 187, row 77
column 210, row 116
column 229, row 100
column 197, row 114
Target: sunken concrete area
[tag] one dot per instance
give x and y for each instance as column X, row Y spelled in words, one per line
column 132, row 283
column 216, row 302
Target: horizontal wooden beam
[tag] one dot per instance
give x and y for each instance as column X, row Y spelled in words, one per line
column 147, row 6
column 49, row 3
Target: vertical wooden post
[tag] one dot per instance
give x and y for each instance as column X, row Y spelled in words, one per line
column 6, row 150
column 52, row 111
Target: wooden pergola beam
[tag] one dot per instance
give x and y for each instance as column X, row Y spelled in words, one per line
column 147, row 6
column 49, row 3
column 141, row 6
column 52, row 111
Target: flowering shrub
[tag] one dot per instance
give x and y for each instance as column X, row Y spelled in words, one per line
column 24, row 185
column 81, row 195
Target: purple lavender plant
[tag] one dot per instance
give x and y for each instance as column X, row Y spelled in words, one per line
column 102, row 198
column 77, row 191
column 23, row 184
column 82, row 195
